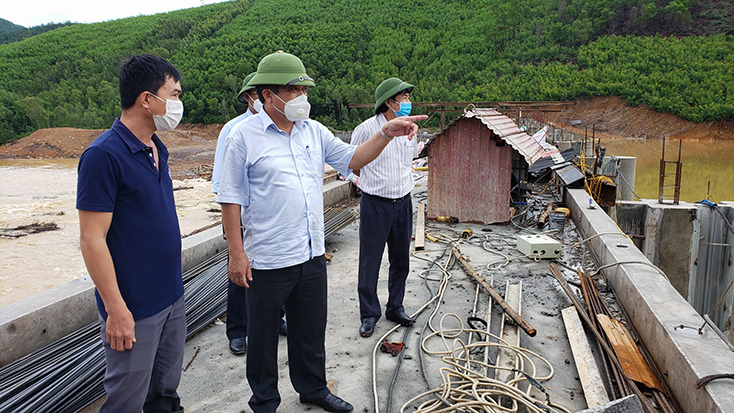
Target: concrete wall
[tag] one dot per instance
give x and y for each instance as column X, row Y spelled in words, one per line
column 712, row 271
column 658, row 311
column 671, row 241
column 693, row 246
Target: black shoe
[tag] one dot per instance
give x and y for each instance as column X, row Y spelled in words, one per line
column 283, row 329
column 238, row 346
column 400, row 317
column 330, row 403
column 367, row 327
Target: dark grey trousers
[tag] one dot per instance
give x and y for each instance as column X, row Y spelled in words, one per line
column 146, row 377
column 381, row 222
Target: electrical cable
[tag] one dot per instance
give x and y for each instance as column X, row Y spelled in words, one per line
column 462, row 388
column 442, row 289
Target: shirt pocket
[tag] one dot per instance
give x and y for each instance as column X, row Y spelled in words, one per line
column 408, row 151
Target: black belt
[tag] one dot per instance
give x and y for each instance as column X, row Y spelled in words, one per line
column 393, row 200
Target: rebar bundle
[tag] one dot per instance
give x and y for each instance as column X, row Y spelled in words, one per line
column 336, row 219
column 66, row 375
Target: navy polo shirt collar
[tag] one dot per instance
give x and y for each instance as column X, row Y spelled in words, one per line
column 132, row 141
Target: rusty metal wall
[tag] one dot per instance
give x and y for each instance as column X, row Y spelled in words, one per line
column 469, row 176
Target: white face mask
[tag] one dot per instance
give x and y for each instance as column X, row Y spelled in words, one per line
column 257, row 106
column 295, row 109
column 174, row 112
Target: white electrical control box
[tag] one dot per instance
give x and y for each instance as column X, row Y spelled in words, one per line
column 539, row 245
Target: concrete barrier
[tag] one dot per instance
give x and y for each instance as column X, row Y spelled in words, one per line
column 32, row 323
column 663, row 319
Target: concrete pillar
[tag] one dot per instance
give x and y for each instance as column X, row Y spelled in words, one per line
column 626, row 177
column 621, row 169
column 670, row 243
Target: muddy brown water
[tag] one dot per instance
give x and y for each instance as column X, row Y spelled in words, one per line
column 45, row 190
column 703, row 161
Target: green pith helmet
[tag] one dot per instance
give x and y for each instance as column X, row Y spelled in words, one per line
column 245, row 88
column 388, row 89
column 281, row 68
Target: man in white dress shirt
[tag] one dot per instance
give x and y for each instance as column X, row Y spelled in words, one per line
column 272, row 182
column 386, row 209
column 237, row 295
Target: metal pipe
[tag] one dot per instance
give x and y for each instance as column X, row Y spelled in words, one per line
column 717, row 331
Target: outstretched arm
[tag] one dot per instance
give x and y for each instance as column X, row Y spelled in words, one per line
column 372, row 147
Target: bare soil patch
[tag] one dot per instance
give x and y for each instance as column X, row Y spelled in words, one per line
column 191, row 147
column 613, row 118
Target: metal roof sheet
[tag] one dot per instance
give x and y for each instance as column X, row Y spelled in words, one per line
column 568, row 173
column 505, row 128
column 547, row 162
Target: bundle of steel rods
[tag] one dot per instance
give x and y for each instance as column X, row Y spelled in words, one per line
column 336, row 219
column 205, row 289
column 595, row 305
column 67, row 375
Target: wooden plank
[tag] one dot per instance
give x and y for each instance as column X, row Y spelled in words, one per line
column 495, row 295
column 506, row 358
column 589, row 374
column 420, row 228
column 488, row 317
column 633, row 363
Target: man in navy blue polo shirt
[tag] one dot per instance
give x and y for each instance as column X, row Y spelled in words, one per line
column 131, row 242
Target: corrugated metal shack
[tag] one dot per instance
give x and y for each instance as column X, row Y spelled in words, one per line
column 471, row 163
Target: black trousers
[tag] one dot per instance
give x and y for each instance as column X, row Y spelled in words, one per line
column 236, row 311
column 302, row 289
column 383, row 221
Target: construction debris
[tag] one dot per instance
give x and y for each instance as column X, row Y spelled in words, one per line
column 23, row 230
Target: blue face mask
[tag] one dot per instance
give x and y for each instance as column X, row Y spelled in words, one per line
column 405, row 108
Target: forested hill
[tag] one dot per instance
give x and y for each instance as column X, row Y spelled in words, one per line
column 13, row 33
column 677, row 56
column 8, row 26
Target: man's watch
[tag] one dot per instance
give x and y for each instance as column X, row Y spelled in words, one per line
column 385, row 135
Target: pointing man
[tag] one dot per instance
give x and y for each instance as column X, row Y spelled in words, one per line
column 386, row 209
column 272, row 180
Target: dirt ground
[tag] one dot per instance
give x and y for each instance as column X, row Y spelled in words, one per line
column 192, row 146
column 612, row 118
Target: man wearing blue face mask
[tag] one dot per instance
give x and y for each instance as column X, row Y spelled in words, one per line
column 237, row 295
column 272, row 182
column 386, row 209
column 131, row 242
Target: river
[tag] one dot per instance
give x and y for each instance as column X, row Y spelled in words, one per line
column 45, row 191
